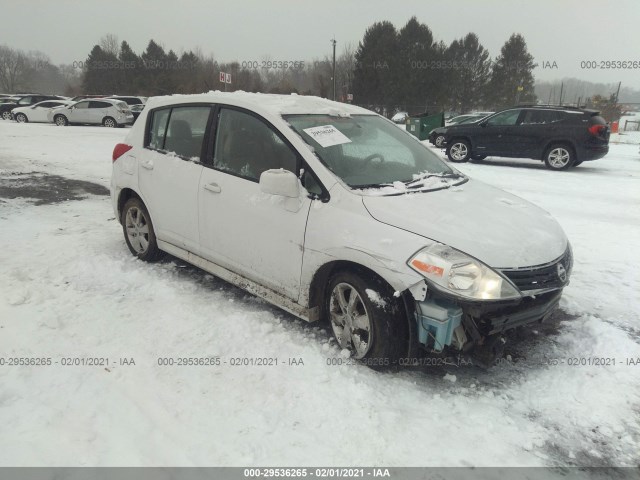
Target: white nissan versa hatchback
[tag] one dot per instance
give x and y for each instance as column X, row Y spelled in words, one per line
column 331, row 212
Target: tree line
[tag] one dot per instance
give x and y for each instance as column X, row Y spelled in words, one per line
column 389, row 70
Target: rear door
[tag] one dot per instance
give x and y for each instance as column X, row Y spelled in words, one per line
column 169, row 169
column 536, row 128
column 258, row 235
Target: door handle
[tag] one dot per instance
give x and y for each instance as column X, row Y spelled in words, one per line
column 148, row 164
column 213, row 187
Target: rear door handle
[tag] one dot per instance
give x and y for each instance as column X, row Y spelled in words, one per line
column 148, row 164
column 213, row 187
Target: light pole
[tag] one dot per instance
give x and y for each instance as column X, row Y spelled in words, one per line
column 333, row 41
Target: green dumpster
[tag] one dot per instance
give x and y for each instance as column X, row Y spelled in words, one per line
column 421, row 125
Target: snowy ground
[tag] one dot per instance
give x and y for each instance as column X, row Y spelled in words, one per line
column 69, row 288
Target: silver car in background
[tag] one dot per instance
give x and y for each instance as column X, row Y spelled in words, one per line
column 93, row 111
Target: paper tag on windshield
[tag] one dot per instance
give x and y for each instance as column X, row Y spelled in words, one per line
column 327, row 135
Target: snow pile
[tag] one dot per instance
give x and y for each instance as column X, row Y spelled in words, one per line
column 70, row 289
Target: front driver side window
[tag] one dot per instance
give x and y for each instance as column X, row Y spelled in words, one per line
column 246, row 146
column 510, row 117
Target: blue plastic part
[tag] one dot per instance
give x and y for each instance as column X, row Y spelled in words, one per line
column 436, row 322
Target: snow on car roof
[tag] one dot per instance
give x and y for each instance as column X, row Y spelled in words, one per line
column 266, row 103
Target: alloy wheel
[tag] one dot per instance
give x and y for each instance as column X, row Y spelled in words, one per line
column 459, row 151
column 559, row 157
column 350, row 320
column 137, row 229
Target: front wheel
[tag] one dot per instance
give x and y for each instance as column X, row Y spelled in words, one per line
column 366, row 319
column 138, row 231
column 21, row 118
column 559, row 157
column 6, row 115
column 459, row 151
column 439, row 141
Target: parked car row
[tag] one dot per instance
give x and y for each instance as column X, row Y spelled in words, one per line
column 111, row 111
column 562, row 137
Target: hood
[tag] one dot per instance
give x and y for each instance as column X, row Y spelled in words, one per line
column 497, row 228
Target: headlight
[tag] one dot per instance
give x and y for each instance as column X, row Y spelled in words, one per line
column 461, row 274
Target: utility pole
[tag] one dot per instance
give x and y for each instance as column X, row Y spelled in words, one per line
column 618, row 92
column 561, row 89
column 333, row 41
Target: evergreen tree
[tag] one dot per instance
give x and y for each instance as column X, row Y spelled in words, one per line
column 375, row 74
column 512, row 75
column 154, row 64
column 419, row 73
column 130, row 70
column 471, row 69
column 100, row 76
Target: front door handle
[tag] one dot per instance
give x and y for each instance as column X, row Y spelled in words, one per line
column 213, row 187
column 148, row 164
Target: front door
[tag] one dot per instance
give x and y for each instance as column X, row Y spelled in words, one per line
column 498, row 136
column 80, row 113
column 258, row 235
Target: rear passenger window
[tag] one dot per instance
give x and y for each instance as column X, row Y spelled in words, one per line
column 186, row 131
column 246, row 146
column 99, row 105
column 540, row 117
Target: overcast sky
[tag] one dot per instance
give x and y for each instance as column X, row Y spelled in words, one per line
column 566, row 32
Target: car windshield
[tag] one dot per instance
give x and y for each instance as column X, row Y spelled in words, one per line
column 367, row 151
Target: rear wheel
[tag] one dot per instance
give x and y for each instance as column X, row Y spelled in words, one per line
column 21, row 118
column 109, row 122
column 559, row 157
column 366, row 319
column 61, row 121
column 138, row 231
column 459, row 151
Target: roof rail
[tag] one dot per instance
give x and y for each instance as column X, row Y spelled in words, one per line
column 542, row 105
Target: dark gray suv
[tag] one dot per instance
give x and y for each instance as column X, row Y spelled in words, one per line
column 562, row 137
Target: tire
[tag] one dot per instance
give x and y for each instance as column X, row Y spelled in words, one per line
column 109, row 122
column 138, row 231
column 60, row 120
column 439, row 141
column 559, row 156
column 6, row 115
column 459, row 150
column 22, row 118
column 478, row 158
column 374, row 331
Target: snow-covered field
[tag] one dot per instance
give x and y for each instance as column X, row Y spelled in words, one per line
column 70, row 288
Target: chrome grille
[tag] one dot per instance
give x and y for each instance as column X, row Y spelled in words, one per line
column 542, row 277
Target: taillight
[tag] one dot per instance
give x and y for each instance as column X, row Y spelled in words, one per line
column 597, row 130
column 120, row 150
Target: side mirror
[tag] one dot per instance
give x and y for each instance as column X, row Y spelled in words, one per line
column 280, row 182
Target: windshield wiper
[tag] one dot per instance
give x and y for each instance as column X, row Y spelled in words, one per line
column 417, row 181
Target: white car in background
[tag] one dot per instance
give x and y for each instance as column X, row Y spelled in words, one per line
column 38, row 112
column 93, row 111
column 332, row 213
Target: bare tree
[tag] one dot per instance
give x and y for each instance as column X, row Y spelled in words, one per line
column 13, row 66
column 110, row 44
